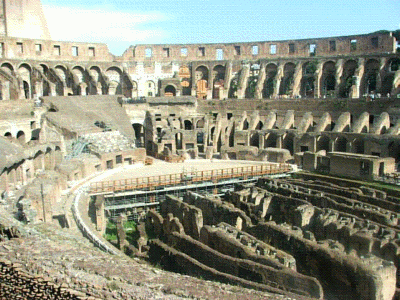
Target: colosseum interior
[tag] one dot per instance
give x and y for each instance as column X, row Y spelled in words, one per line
column 264, row 170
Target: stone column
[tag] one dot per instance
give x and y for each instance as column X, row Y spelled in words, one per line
column 317, row 83
column 242, row 85
column 260, row 82
column 261, row 139
column 381, row 74
column 277, row 81
column 279, row 142
column 331, row 145
column 228, row 79
column 298, row 74
column 359, row 74
column 338, row 75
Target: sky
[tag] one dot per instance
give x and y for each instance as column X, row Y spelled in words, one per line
column 120, row 23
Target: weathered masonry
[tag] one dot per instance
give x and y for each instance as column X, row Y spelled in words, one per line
column 344, row 67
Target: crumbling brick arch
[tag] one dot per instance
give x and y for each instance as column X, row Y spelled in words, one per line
column 287, row 81
column 62, row 80
column 97, row 84
column 114, row 76
column 369, row 82
column 328, row 79
column 25, row 75
column 170, row 90
column 340, row 144
column 347, row 81
column 270, row 80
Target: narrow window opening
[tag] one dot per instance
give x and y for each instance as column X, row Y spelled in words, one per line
column 148, row 52
column 312, row 49
column 272, row 49
column 201, row 51
column 20, row 48
column 92, row 52
column 374, row 42
column 184, row 51
column 237, row 50
column 57, row 50
column 332, row 46
column 254, row 50
column 220, row 54
column 165, row 52
column 292, row 48
column 74, row 51
column 38, row 48
column 353, row 45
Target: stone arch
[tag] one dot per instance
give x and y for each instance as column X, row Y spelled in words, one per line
column 254, row 139
column 270, row 140
column 369, row 82
column 61, row 72
column 114, row 75
column 211, row 136
column 170, row 91
column 200, row 123
column 48, row 159
column 97, row 85
column 323, row 143
column 139, row 133
column 394, row 150
column 287, row 81
column 288, row 142
column 21, row 136
column 328, row 79
column 79, row 77
column 340, row 144
column 259, row 125
column 387, row 84
column 8, row 135
column 218, row 81
column 245, row 124
column 8, row 67
column 393, row 64
column 25, row 71
column 187, row 125
column 201, row 77
column 307, row 85
column 358, row 146
column 347, row 80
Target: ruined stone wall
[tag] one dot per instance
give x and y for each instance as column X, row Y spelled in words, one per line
column 15, row 283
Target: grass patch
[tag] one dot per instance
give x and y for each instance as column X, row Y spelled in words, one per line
column 111, row 231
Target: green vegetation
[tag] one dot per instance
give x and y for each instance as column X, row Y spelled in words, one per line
column 111, row 231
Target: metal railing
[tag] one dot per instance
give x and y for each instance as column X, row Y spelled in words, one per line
column 186, row 177
column 85, row 229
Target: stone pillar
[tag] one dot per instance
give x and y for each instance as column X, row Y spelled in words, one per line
column 298, row 74
column 228, row 79
column 242, row 85
column 277, row 81
column 359, row 74
column 314, row 144
column 52, row 87
column 331, row 145
column 338, row 75
column 349, row 146
column 261, row 139
column 317, row 83
column 279, row 142
column 260, row 82
column 100, row 215
column 39, row 88
column 381, row 74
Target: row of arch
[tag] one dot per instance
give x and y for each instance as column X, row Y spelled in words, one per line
column 331, row 77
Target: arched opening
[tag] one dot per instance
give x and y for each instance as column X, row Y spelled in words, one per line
column 254, row 139
column 178, row 140
column 270, row 140
column 341, row 144
column 245, row 125
column 233, row 87
column 358, row 145
column 139, row 133
column 170, row 91
column 200, row 137
column 286, row 87
column 328, row 79
column 387, row 85
column 58, row 156
column 268, row 87
column 200, row 124
column 323, row 143
column 394, row 65
column 307, row 87
column 8, row 135
column 259, row 125
column 347, row 79
column 21, row 136
column 369, row 82
column 232, row 136
column 188, row 125
column 26, row 90
column 394, row 150
column 211, row 136
column 288, row 142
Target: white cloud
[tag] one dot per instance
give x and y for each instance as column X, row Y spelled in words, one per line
column 85, row 25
